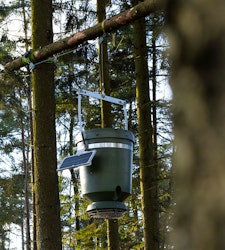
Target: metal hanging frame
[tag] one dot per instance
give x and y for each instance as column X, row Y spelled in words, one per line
column 100, row 97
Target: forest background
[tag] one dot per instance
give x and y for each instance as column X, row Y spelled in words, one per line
column 75, row 69
column 195, row 71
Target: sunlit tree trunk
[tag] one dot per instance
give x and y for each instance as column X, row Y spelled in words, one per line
column 106, row 118
column 25, row 158
column 34, row 245
column 148, row 171
column 26, row 181
column 45, row 176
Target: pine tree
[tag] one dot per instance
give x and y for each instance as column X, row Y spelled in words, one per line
column 45, row 176
column 148, row 174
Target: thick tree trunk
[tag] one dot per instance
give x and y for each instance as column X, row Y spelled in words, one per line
column 110, row 25
column 45, row 176
column 148, row 173
column 197, row 30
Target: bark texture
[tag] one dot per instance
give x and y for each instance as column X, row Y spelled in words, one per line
column 45, row 176
column 148, row 173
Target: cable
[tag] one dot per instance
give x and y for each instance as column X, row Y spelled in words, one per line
column 28, row 58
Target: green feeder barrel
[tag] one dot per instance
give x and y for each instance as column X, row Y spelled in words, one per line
column 108, row 181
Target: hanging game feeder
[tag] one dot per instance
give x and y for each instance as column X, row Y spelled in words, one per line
column 104, row 157
column 108, row 181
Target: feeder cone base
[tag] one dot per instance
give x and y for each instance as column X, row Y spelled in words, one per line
column 106, row 209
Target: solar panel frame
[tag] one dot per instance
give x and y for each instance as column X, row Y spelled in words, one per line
column 81, row 158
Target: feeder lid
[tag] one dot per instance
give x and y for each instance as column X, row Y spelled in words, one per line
column 108, row 133
column 81, row 158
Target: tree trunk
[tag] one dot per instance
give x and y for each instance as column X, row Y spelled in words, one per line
column 34, row 227
column 106, row 119
column 148, row 173
column 154, row 102
column 74, row 175
column 72, row 42
column 112, row 234
column 26, row 181
column 45, row 176
column 197, row 30
column 27, row 164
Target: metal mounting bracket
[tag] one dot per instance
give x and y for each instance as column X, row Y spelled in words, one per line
column 100, row 97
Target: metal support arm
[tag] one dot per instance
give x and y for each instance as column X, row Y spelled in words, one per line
column 100, row 97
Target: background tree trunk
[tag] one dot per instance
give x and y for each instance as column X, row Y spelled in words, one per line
column 26, row 182
column 197, row 30
column 148, row 172
column 106, row 119
column 74, row 174
column 45, row 176
column 113, row 234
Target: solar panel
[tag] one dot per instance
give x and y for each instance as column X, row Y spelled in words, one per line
column 83, row 158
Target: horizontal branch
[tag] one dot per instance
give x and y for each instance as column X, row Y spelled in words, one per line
column 141, row 10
